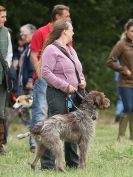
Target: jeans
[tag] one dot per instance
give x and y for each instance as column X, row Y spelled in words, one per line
column 27, row 117
column 119, row 107
column 119, row 104
column 39, row 107
column 126, row 94
column 26, row 120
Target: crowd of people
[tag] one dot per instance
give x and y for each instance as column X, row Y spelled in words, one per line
column 48, row 82
column 47, row 67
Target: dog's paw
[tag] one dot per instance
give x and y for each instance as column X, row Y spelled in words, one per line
column 61, row 169
column 31, row 165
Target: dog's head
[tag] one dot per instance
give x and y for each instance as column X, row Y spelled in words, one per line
column 23, row 101
column 98, row 99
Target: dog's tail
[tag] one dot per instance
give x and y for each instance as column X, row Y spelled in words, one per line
column 23, row 135
column 36, row 130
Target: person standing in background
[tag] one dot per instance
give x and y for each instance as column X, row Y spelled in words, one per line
column 6, row 52
column 25, row 76
column 123, row 51
column 39, row 108
column 26, row 69
column 18, row 48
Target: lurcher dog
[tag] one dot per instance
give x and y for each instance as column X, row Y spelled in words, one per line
column 77, row 127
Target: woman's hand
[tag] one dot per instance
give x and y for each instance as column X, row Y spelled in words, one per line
column 71, row 89
column 126, row 71
column 82, row 84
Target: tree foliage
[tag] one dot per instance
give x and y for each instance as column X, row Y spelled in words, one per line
column 98, row 24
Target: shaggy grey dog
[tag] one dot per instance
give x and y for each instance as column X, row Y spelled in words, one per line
column 77, row 127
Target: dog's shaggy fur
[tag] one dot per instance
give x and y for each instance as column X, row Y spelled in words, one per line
column 77, row 127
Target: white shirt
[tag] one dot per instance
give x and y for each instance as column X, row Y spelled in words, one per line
column 9, row 51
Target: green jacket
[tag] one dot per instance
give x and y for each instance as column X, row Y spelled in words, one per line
column 3, row 48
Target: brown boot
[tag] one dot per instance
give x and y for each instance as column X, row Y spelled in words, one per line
column 123, row 125
column 131, row 126
column 2, row 136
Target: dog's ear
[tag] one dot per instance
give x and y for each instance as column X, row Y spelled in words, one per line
column 98, row 101
column 29, row 97
column 101, row 101
column 13, row 97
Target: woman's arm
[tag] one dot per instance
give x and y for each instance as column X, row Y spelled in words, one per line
column 82, row 83
column 116, row 55
column 49, row 60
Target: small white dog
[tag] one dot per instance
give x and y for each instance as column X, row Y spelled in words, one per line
column 23, row 101
column 23, row 106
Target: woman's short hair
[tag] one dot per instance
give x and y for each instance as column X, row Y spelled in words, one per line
column 31, row 28
column 58, row 10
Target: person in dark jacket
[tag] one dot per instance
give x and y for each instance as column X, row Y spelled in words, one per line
column 25, row 77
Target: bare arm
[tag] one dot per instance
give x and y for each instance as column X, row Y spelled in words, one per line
column 35, row 62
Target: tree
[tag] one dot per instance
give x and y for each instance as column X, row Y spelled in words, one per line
column 97, row 25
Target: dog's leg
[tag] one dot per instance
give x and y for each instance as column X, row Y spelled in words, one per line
column 39, row 153
column 58, row 148
column 83, row 152
column 11, row 114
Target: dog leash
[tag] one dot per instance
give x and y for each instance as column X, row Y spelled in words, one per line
column 70, row 101
column 80, row 95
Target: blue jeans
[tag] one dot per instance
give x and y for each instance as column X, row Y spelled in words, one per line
column 39, row 107
column 26, row 120
column 126, row 94
column 119, row 106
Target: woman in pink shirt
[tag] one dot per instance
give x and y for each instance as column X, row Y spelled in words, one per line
column 63, row 73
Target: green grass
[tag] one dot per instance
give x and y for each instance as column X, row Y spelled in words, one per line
column 106, row 157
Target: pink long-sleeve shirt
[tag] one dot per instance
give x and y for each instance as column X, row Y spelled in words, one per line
column 58, row 70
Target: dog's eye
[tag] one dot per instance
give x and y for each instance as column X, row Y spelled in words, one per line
column 18, row 101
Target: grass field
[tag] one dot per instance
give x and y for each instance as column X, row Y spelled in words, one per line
column 106, row 157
